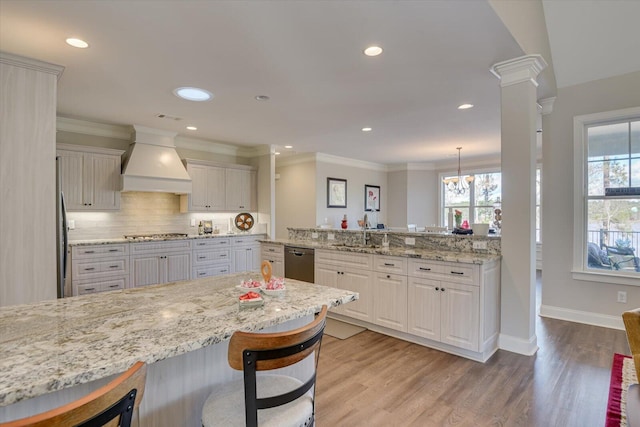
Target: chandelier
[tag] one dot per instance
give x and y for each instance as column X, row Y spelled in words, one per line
column 458, row 185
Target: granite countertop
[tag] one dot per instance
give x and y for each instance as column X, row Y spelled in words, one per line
column 159, row 239
column 429, row 254
column 61, row 343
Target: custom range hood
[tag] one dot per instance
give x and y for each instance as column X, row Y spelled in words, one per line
column 152, row 164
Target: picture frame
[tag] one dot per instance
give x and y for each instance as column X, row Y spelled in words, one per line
column 336, row 193
column 371, row 198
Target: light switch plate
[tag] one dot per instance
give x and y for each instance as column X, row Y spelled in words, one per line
column 71, row 224
column 314, row 235
column 193, row 222
column 409, row 240
column 331, row 236
column 480, row 245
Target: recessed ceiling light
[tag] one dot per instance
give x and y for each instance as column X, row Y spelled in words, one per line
column 192, row 128
column 367, row 129
column 373, row 51
column 465, row 106
column 77, row 43
column 262, row 98
column 288, row 146
column 193, row 94
column 277, row 153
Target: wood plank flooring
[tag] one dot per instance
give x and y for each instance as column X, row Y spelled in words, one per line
column 375, row 380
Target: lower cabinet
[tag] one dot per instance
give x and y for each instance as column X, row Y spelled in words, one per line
column 160, row 262
column 211, row 257
column 444, row 311
column 274, row 254
column 83, row 287
column 99, row 268
column 245, row 253
column 390, row 301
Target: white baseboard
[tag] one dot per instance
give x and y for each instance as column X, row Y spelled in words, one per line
column 586, row 317
column 518, row 345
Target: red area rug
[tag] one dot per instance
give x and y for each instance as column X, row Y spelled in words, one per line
column 622, row 375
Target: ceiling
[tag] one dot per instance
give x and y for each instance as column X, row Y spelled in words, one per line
column 306, row 56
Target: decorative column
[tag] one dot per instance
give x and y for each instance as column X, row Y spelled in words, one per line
column 519, row 111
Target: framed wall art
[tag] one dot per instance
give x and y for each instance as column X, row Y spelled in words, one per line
column 372, row 198
column 336, row 193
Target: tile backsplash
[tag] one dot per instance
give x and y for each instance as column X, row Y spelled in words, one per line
column 143, row 213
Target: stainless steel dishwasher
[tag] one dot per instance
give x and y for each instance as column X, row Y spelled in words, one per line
column 299, row 263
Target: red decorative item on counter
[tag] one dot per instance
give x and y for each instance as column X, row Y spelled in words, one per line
column 465, row 224
column 344, row 224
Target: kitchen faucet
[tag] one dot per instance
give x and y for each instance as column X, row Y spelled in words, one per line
column 364, row 230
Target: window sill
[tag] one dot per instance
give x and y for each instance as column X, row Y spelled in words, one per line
column 616, row 279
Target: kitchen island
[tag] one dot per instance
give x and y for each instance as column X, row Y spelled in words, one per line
column 56, row 351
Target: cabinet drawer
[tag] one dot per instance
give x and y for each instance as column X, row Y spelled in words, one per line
column 114, row 266
column 246, row 240
column 210, row 242
column 207, row 257
column 160, row 247
column 459, row 273
column 199, row 273
column 102, row 285
column 425, row 268
column 390, row 264
column 344, row 259
column 99, row 251
column 84, row 269
column 273, row 252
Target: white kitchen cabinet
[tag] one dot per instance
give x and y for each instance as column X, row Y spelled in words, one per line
column 390, row 301
column 240, row 189
column 208, row 188
column 99, row 268
column 160, row 262
column 90, row 177
column 245, row 253
column 219, row 187
column 274, row 254
column 211, row 257
column 351, row 271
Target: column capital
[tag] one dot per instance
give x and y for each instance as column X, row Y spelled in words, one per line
column 547, row 105
column 518, row 70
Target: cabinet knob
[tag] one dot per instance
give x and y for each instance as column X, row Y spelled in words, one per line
column 442, row 289
column 437, row 289
column 388, row 276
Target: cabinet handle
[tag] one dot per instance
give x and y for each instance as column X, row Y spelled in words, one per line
column 89, row 269
column 113, row 250
column 271, row 250
column 224, row 271
column 223, row 255
column 201, row 244
column 89, row 289
column 89, row 252
column 202, row 274
column 202, row 257
column 114, row 286
column 424, row 269
column 457, row 272
column 114, row 266
column 388, row 264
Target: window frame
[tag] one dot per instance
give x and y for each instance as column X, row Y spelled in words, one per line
column 580, row 270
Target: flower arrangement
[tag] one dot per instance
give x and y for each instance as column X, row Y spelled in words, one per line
column 458, row 217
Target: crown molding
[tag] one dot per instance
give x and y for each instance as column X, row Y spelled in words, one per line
column 197, row 144
column 547, row 105
column 295, row 159
column 344, row 161
column 84, row 127
column 518, row 70
column 31, row 64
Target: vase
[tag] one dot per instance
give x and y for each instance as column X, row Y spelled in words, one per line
column 458, row 221
column 344, row 224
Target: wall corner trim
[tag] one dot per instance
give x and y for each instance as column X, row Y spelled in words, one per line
column 518, row 345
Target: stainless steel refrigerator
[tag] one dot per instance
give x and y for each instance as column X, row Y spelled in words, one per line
column 62, row 236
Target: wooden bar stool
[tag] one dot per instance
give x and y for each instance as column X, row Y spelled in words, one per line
column 269, row 400
column 112, row 405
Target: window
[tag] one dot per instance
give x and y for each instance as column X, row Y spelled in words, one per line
column 608, row 151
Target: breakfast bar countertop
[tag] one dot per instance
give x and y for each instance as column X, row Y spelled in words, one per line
column 62, row 343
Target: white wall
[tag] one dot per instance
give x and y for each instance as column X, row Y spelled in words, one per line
column 295, row 195
column 422, row 197
column 397, row 204
column 356, row 178
column 562, row 296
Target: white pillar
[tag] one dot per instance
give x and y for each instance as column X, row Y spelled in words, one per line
column 519, row 111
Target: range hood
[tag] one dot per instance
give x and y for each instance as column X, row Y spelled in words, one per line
column 152, row 163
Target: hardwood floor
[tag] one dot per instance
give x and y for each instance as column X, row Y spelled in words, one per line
column 374, row 380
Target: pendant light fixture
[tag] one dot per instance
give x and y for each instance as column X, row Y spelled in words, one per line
column 457, row 185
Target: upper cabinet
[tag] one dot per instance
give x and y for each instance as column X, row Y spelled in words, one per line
column 90, row 177
column 218, row 187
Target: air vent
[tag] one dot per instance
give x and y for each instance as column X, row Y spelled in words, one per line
column 168, row 117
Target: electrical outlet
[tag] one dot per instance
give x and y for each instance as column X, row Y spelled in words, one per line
column 314, row 235
column 409, row 240
column 480, row 245
column 331, row 236
column 193, row 222
column 71, row 224
column 622, row 296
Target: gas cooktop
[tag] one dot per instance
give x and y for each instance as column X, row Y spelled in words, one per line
column 159, row 236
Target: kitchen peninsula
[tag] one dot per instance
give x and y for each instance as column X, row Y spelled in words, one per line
column 56, row 351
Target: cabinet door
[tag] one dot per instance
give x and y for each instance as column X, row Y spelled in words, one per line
column 216, row 189
column 255, row 259
column 277, row 267
column 145, row 270
column 178, row 266
column 423, row 317
column 102, row 178
column 71, row 175
column 239, row 259
column 239, row 187
column 198, row 199
column 460, row 315
column 328, row 276
column 358, row 281
column 390, row 301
